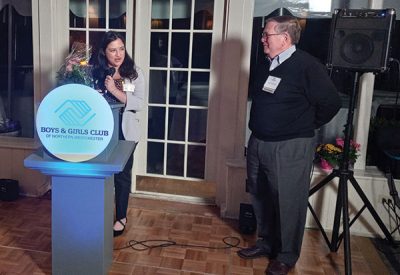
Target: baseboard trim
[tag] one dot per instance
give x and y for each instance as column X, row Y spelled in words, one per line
column 175, row 198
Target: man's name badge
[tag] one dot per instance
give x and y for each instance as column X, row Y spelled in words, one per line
column 271, row 84
column 129, row 87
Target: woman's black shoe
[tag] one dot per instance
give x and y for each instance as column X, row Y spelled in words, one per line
column 119, row 232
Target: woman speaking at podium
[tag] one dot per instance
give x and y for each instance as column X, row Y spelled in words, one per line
column 123, row 82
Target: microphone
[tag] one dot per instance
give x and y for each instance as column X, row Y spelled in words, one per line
column 110, row 71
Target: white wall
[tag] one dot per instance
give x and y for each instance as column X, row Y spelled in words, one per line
column 232, row 89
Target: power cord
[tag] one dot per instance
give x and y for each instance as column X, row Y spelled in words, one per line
column 148, row 244
column 383, row 245
column 390, row 207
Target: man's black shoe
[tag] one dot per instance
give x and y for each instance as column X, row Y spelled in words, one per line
column 252, row 252
column 277, row 268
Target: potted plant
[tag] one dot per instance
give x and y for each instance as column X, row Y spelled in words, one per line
column 329, row 155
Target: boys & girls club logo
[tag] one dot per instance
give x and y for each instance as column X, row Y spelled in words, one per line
column 74, row 123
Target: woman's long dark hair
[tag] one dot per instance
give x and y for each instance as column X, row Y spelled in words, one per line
column 101, row 69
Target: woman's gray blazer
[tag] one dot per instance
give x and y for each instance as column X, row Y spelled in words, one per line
column 134, row 104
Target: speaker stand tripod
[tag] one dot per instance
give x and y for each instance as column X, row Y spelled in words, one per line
column 345, row 174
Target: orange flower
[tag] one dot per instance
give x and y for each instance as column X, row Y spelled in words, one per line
column 333, row 153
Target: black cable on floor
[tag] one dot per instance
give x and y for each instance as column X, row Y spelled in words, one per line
column 147, row 244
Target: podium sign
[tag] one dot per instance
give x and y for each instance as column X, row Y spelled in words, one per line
column 74, row 123
column 79, row 130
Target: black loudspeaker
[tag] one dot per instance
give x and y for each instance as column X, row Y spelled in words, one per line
column 360, row 39
column 9, row 189
column 247, row 219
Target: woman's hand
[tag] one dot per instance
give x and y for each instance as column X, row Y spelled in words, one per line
column 110, row 85
column 70, row 63
column 112, row 88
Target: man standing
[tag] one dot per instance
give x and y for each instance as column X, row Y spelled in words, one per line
column 292, row 98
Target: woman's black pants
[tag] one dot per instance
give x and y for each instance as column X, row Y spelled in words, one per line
column 122, row 184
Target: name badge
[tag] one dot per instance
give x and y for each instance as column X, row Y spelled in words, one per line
column 129, row 87
column 271, row 84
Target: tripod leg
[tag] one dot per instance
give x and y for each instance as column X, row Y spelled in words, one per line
column 371, row 210
column 321, row 228
column 334, row 245
column 322, row 183
column 346, row 226
column 342, row 208
column 313, row 190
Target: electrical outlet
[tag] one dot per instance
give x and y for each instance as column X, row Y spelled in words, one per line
column 384, row 199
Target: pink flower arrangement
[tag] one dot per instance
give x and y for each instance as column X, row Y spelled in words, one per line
column 76, row 68
column 332, row 153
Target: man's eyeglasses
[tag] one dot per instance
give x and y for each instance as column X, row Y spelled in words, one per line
column 267, row 35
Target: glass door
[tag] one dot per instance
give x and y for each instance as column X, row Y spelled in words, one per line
column 181, row 33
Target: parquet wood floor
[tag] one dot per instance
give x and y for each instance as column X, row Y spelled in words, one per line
column 25, row 243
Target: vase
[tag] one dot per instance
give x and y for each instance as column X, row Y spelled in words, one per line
column 325, row 165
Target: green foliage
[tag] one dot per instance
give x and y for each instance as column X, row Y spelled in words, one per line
column 76, row 68
column 333, row 153
column 80, row 74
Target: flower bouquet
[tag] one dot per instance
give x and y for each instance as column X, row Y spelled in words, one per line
column 76, row 68
column 330, row 155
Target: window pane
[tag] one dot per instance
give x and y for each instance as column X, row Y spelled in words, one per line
column 156, row 126
column 197, row 125
column 175, row 159
column 181, row 14
column 196, row 161
column 203, row 15
column 76, row 36
column 4, row 73
column 157, row 86
column 77, row 13
column 16, row 72
column 180, row 50
column 94, row 42
column 97, row 13
column 159, row 49
column 201, row 50
column 178, row 88
column 199, row 88
column 4, row 13
column 155, row 157
column 117, row 14
column 391, row 3
column 176, row 124
column 160, row 14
